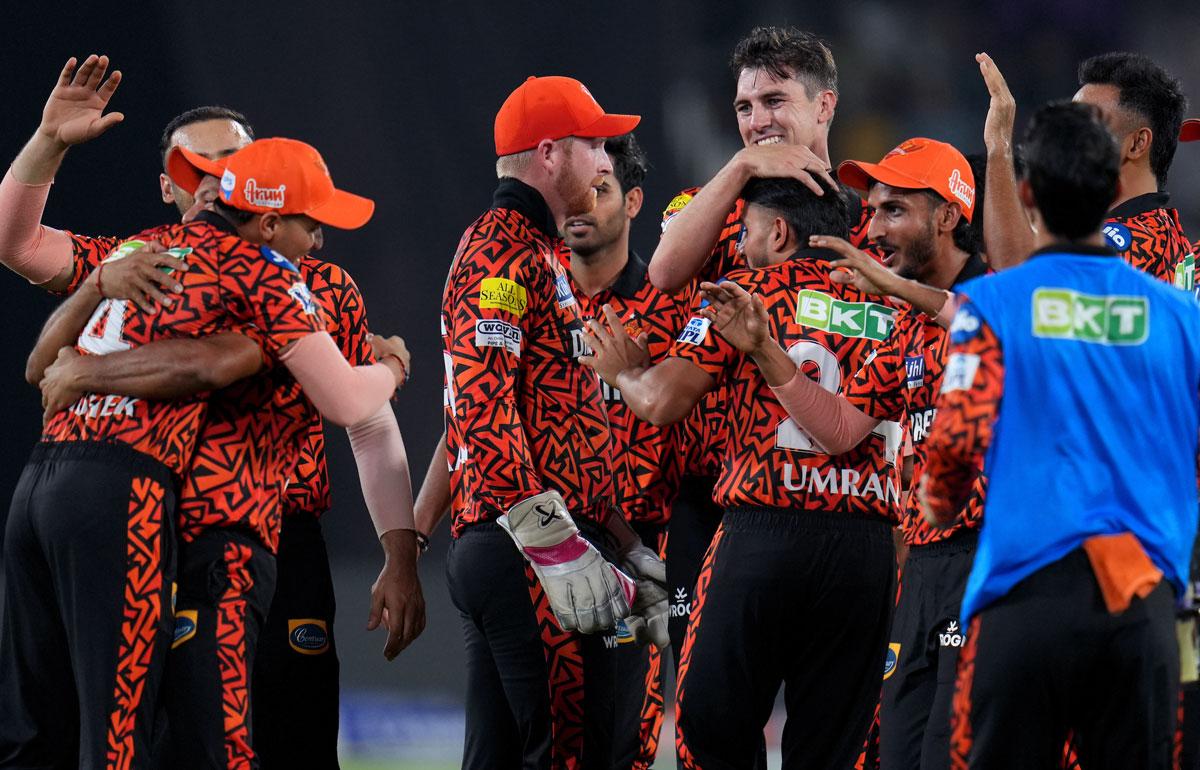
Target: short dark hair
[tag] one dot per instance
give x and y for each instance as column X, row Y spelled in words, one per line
column 1148, row 90
column 1072, row 164
column 199, row 115
column 628, row 161
column 787, row 52
column 806, row 213
column 237, row 216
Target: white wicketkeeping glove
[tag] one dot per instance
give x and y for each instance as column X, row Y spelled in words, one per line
column 587, row 593
column 648, row 621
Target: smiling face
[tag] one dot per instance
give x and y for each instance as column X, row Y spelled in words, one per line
column 903, row 227
column 774, row 111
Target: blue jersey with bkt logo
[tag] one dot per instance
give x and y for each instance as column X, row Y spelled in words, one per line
column 1099, row 420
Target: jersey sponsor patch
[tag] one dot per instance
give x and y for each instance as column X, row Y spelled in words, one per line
column 1117, row 236
column 960, row 372
column 308, row 636
column 676, row 205
column 503, row 294
column 1105, row 319
column 965, row 325
column 562, row 292
column 696, row 331
column 914, row 371
column 185, row 627
column 849, row 319
column 1185, row 273
column 892, row 660
column 490, row 333
column 275, row 258
column 299, row 292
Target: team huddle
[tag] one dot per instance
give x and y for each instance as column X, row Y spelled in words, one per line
column 915, row 440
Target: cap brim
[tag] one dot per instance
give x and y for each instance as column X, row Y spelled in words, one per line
column 1190, row 130
column 860, row 175
column 344, row 210
column 609, row 125
column 187, row 169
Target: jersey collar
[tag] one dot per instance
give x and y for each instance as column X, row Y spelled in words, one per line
column 631, row 278
column 527, row 201
column 1141, row 204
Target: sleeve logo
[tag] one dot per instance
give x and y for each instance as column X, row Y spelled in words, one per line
column 1117, row 236
column 696, row 331
column 562, row 291
column 503, row 294
column 914, row 371
column 960, row 372
column 867, row 320
column 490, row 333
column 965, row 325
column 1107, row 320
column 676, row 205
column 299, row 292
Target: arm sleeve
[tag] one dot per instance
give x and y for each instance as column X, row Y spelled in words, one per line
column 383, row 470
column 27, row 247
column 497, row 293
column 833, row 422
column 968, row 405
column 345, row 394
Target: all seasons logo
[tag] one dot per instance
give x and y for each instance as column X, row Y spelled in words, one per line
column 849, row 319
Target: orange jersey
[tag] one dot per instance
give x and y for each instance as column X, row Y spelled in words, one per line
column 523, row 415
column 648, row 465
column 828, row 329
column 346, row 321
column 229, row 284
column 1147, row 234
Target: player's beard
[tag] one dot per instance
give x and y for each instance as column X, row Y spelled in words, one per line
column 577, row 196
column 918, row 256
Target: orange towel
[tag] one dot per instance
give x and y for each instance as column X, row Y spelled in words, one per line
column 1122, row 569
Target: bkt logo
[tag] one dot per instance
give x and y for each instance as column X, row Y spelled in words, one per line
column 1107, row 320
column 849, row 319
column 681, row 607
column 952, row 636
column 308, row 636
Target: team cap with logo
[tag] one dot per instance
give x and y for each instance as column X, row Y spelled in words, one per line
column 282, row 175
column 553, row 107
column 918, row 164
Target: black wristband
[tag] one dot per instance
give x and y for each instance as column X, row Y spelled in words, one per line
column 422, row 541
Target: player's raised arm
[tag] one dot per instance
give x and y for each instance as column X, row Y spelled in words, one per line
column 74, row 113
column 1007, row 234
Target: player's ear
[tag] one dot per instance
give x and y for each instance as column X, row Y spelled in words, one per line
column 948, row 217
column 633, row 202
column 827, row 101
column 1139, row 144
column 1025, row 193
column 164, row 186
column 268, row 226
column 779, row 235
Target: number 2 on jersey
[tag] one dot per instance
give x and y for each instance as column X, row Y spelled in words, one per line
column 102, row 334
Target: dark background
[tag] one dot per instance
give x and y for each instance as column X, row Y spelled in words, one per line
column 400, row 97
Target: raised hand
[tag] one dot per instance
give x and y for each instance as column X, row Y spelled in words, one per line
column 1002, row 110
column 856, row 267
column 738, row 316
column 74, row 113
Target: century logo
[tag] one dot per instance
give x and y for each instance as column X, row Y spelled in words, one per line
column 308, row 636
column 849, row 319
column 1104, row 319
column 680, row 606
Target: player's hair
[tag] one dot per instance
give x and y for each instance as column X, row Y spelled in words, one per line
column 1072, row 164
column 237, row 216
column 1150, row 92
column 199, row 115
column 513, row 165
column 806, row 213
column 628, row 161
column 787, row 52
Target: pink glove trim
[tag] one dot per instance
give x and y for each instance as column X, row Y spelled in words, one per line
column 27, row 247
column 628, row 585
column 344, row 394
column 549, row 555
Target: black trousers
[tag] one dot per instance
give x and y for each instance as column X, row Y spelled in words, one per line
column 694, row 521
column 226, row 580
column 537, row 697
column 639, row 687
column 786, row 597
column 919, row 674
column 1048, row 660
column 89, row 556
column 295, row 675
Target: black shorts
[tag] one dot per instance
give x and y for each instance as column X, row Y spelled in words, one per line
column 296, row 666
column 1048, row 660
column 89, row 558
column 694, row 521
column 922, row 660
column 786, row 597
column 537, row 697
column 226, row 580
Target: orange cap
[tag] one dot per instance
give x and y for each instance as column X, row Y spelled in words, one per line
column 1190, row 130
column 553, row 108
column 281, row 175
column 918, row 164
